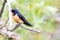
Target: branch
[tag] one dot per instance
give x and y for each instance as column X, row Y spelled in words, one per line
column 1, row 23
column 6, row 21
column 30, row 29
column 8, row 34
column 9, row 10
column 15, row 27
column 2, row 9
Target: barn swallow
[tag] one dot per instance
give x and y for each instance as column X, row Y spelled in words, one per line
column 19, row 18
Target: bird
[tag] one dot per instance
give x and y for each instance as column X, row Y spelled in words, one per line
column 19, row 18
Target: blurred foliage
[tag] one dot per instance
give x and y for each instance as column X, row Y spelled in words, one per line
column 34, row 10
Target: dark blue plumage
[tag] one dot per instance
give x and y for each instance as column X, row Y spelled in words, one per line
column 15, row 11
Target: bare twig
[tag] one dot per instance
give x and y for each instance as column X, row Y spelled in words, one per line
column 8, row 34
column 16, row 26
column 9, row 10
column 30, row 29
column 6, row 20
column 2, row 9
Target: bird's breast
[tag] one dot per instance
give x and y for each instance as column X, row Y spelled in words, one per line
column 17, row 19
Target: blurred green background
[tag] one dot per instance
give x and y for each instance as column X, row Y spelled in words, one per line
column 37, row 13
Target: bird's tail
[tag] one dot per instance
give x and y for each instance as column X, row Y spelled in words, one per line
column 27, row 23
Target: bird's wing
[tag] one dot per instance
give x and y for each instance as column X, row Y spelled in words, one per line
column 22, row 17
column 24, row 20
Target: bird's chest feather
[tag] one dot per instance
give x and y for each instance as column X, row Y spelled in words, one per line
column 17, row 19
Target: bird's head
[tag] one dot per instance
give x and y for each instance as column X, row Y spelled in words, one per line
column 15, row 11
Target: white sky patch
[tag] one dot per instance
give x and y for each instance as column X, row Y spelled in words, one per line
column 13, row 1
column 51, row 10
column 40, row 4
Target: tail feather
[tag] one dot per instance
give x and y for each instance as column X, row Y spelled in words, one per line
column 27, row 23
